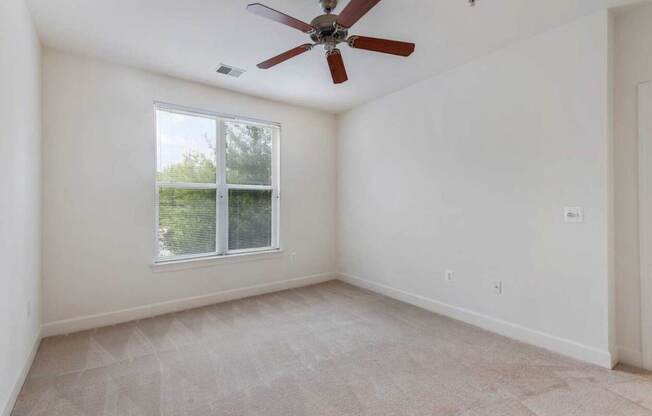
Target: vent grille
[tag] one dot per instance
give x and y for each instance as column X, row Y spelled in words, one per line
column 230, row 70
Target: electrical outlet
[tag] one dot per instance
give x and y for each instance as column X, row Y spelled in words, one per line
column 293, row 257
column 498, row 287
column 450, row 275
column 573, row 215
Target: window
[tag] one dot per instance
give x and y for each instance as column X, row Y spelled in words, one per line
column 216, row 185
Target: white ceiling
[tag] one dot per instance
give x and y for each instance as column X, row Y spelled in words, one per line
column 189, row 38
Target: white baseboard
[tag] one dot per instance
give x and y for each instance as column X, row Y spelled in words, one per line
column 630, row 356
column 141, row 312
column 520, row 333
column 9, row 406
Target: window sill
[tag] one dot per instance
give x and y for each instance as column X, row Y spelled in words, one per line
column 202, row 262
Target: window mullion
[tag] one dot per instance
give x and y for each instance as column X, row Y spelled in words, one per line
column 250, row 187
column 222, row 194
column 185, row 185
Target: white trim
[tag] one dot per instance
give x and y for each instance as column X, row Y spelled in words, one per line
column 11, row 402
column 645, row 220
column 520, row 333
column 155, row 188
column 141, row 312
column 194, row 111
column 249, row 251
column 276, row 182
column 203, row 261
column 630, row 356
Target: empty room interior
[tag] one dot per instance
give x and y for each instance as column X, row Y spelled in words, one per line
column 323, row 207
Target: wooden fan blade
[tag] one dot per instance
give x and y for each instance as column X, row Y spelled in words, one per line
column 264, row 11
column 354, row 11
column 393, row 47
column 336, row 64
column 285, row 56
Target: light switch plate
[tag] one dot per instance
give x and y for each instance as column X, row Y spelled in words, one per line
column 498, row 287
column 573, row 215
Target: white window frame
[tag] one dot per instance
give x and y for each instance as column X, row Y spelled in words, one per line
column 222, row 188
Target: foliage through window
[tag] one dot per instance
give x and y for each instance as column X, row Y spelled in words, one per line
column 216, row 185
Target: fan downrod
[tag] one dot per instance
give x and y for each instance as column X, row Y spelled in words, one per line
column 328, row 5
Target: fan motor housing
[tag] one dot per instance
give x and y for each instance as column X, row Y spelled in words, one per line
column 327, row 31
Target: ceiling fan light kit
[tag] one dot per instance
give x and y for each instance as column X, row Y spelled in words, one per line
column 329, row 30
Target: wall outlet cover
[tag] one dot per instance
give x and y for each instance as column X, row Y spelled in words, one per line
column 573, row 215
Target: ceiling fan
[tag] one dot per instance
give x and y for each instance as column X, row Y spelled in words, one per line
column 330, row 30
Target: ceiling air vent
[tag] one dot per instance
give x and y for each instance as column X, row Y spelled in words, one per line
column 230, row 70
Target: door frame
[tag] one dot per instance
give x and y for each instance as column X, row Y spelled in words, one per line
column 644, row 105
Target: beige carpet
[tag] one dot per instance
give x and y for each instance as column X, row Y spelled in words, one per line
column 329, row 349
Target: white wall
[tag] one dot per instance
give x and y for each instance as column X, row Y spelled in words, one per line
column 20, row 203
column 633, row 65
column 470, row 171
column 99, row 162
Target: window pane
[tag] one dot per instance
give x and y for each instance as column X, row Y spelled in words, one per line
column 187, row 221
column 250, row 219
column 248, row 154
column 186, row 148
